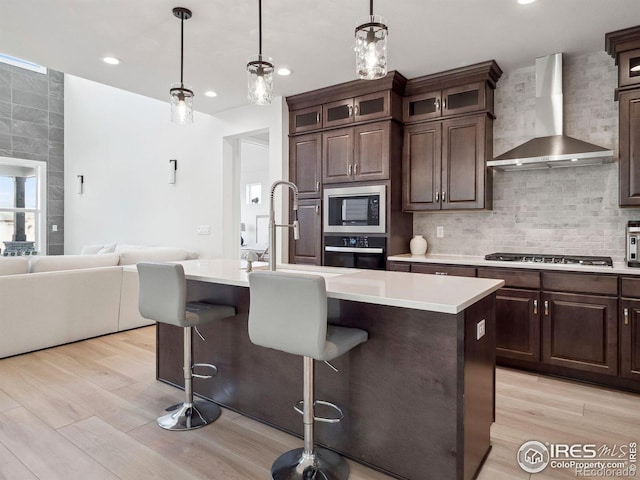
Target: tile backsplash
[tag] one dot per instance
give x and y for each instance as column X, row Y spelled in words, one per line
column 563, row 211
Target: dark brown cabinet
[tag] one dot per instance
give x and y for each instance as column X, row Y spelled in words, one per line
column 432, row 269
column 624, row 47
column 630, row 338
column 629, row 167
column 305, row 164
column 306, row 119
column 308, row 249
column 518, row 324
column 356, row 153
column 580, row 332
column 447, row 102
column 358, row 109
column 444, row 164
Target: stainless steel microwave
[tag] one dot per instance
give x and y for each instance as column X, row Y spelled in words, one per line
column 357, row 209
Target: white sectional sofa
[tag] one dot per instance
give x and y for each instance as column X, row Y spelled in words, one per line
column 52, row 300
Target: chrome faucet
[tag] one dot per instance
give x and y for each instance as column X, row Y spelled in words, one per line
column 272, row 221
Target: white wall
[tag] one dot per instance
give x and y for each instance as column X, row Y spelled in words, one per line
column 122, row 142
column 254, row 170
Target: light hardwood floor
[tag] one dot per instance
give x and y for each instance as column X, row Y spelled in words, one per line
column 87, row 411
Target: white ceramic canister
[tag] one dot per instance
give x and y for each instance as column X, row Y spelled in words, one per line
column 418, row 245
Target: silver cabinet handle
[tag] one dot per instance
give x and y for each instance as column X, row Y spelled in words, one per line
column 535, row 307
column 626, row 316
column 442, row 273
column 546, row 307
column 318, row 117
column 437, row 197
column 317, row 209
column 355, row 168
column 437, row 103
column 444, row 196
column 356, row 110
column 350, row 111
column 444, row 104
column 349, row 170
column 317, row 186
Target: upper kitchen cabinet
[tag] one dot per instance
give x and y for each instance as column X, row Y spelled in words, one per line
column 347, row 104
column 305, row 164
column 306, row 119
column 356, row 153
column 624, row 47
column 444, row 164
column 359, row 109
column 455, row 92
column 447, row 102
column 448, row 140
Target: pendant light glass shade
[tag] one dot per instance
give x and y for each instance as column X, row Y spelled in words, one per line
column 371, row 48
column 181, row 96
column 181, row 104
column 260, row 80
column 260, row 72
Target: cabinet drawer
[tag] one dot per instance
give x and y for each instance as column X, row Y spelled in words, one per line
column 512, row 278
column 443, row 270
column 399, row 266
column 630, row 287
column 580, row 283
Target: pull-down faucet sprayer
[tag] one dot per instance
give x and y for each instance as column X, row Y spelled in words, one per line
column 272, row 221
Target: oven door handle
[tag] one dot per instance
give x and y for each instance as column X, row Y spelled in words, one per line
column 353, row 250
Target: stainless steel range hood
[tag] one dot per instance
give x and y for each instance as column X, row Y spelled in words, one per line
column 550, row 148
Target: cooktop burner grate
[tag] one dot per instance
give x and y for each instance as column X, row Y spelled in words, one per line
column 544, row 258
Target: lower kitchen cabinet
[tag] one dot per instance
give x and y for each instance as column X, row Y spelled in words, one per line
column 308, row 249
column 630, row 339
column 518, row 324
column 580, row 332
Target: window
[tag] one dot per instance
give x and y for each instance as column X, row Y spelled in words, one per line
column 22, row 206
column 254, row 193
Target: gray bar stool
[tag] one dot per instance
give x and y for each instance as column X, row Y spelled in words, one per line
column 163, row 295
column 288, row 312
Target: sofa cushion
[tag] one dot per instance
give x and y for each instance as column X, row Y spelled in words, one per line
column 91, row 249
column 13, row 265
column 108, row 248
column 50, row 263
column 154, row 254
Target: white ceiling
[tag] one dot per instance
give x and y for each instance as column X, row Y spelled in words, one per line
column 314, row 38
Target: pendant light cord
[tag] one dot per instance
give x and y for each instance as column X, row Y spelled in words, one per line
column 260, row 28
column 371, row 8
column 181, row 48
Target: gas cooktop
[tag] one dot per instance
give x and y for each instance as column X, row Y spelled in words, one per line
column 542, row 258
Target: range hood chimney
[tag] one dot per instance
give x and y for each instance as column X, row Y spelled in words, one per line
column 550, row 148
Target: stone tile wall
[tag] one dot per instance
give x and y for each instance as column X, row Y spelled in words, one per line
column 566, row 210
column 32, row 127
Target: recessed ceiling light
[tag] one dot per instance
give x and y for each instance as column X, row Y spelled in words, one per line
column 284, row 71
column 525, row 2
column 210, row 93
column 111, row 60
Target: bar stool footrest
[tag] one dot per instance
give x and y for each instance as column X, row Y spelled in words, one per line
column 204, row 365
column 323, row 403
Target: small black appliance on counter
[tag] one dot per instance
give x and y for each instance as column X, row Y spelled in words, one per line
column 633, row 239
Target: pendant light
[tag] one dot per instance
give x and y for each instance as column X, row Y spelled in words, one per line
column 260, row 72
column 371, row 46
column 181, row 96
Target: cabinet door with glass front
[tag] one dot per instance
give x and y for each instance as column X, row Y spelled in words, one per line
column 464, row 99
column 306, row 119
column 424, row 106
column 372, row 106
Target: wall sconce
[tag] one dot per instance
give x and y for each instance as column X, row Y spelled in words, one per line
column 173, row 166
column 80, row 186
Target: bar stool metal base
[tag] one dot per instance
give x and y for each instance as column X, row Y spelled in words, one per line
column 324, row 465
column 185, row 417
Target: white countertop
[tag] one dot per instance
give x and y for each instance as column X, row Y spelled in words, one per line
column 619, row 268
column 409, row 290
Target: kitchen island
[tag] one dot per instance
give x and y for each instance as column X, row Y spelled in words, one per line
column 418, row 396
